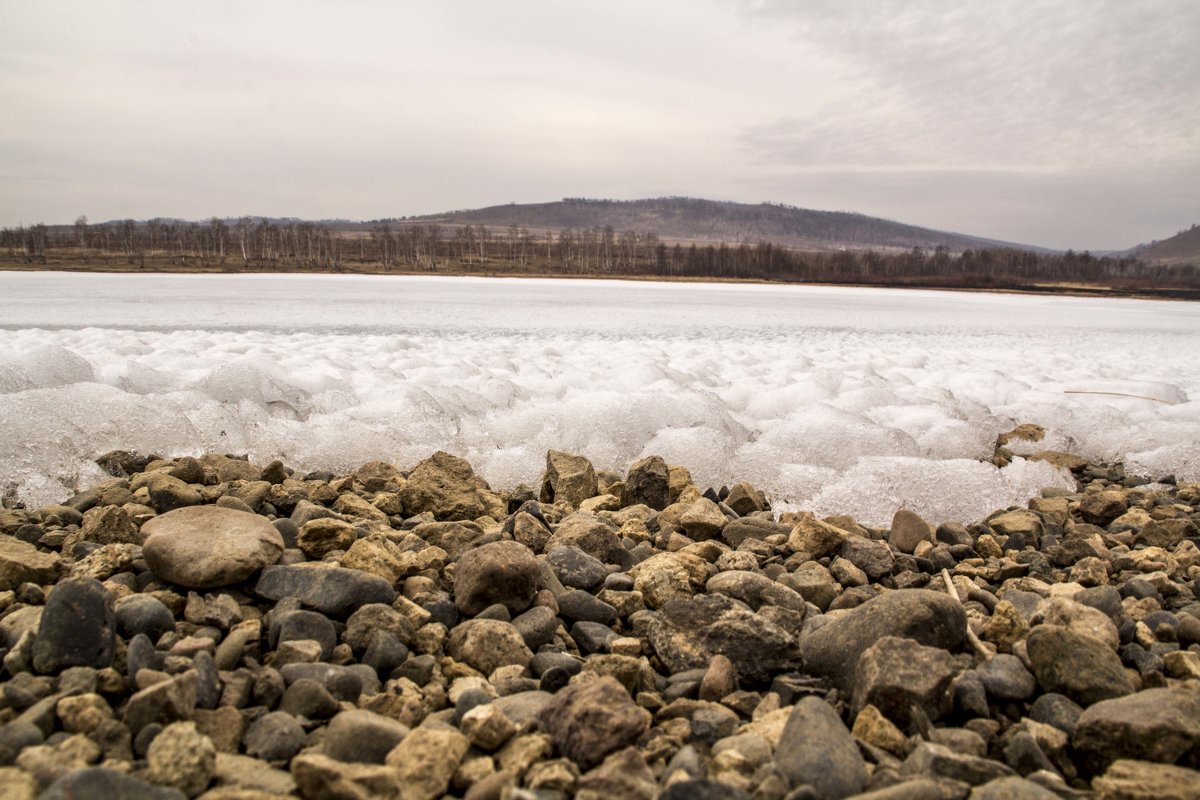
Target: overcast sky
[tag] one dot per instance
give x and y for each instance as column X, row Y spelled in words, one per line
column 1064, row 123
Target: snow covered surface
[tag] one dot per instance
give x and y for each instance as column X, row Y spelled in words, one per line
column 837, row 400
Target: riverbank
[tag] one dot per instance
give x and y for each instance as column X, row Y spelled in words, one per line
column 1073, row 289
column 210, row 627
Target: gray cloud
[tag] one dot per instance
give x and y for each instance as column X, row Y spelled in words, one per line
column 1068, row 123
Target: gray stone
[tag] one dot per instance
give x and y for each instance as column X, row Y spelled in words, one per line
column 331, row 590
column 77, row 629
column 1159, row 725
column 362, row 736
column 101, row 783
column 1005, row 678
column 896, row 674
column 576, row 569
column 587, row 721
column 908, row 530
column 203, row 547
column 927, row 617
column 143, row 613
column 1084, row 669
column 276, row 736
column 816, row 749
column 648, row 484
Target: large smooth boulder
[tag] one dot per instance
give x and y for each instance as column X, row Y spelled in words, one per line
column 927, row 617
column 203, row 547
column 447, row 487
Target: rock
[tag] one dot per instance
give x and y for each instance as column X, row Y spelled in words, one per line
column 1079, row 618
column 587, row 721
column 687, row 633
column 816, row 749
column 929, row 618
column 182, row 758
column 1141, row 780
column 1011, row 788
column 668, row 576
column 301, row 626
column 500, row 572
column 1022, row 522
column 308, row 699
column 935, row 760
column 1005, row 678
column 143, row 613
column 720, row 679
column 204, row 547
column 1084, row 669
column 739, row 530
column 537, row 626
column 623, row 775
column 1158, row 725
column 77, row 627
column 816, row 586
column 319, row 777
column 236, row 774
column 703, row 520
column 874, row 558
column 1101, row 508
column 487, row 644
column 276, row 736
column 815, row 537
column 101, row 783
column 908, row 530
column 647, row 483
column 895, row 674
column 694, row 789
column 109, row 525
column 1165, row 533
column 331, row 590
column 425, row 761
column 21, row 562
column 568, row 478
column 575, row 568
column 744, row 499
column 875, row 729
column 447, row 487
column 172, row 700
column 362, row 736
column 487, row 727
column 354, row 507
column 755, row 590
column 169, row 494
column 320, row 536
column 592, row 535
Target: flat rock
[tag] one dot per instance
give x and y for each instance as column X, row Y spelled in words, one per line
column 21, row 562
column 1158, row 725
column 100, row 783
column 1143, row 780
column 927, row 617
column 335, row 591
column 203, row 547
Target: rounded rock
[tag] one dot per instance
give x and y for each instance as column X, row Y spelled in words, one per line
column 203, row 547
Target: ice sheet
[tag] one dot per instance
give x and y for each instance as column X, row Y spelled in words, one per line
column 840, row 400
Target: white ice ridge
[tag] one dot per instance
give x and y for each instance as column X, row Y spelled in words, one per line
column 848, row 419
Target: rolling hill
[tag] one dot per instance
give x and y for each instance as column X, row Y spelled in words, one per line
column 687, row 219
column 1182, row 248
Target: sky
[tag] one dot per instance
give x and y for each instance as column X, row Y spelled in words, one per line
column 1060, row 123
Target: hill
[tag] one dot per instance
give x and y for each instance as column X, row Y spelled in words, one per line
column 1182, row 248
column 692, row 220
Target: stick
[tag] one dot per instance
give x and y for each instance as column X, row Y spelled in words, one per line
column 976, row 645
column 1120, row 394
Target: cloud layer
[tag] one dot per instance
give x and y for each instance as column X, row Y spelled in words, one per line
column 1065, row 123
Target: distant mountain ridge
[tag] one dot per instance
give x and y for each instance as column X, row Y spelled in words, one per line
column 691, row 219
column 1182, row 248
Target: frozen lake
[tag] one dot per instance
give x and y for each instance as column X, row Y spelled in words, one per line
column 838, row 400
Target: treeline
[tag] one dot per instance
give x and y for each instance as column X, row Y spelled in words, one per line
column 265, row 245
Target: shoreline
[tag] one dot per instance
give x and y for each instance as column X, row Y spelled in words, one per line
column 207, row 626
column 1060, row 290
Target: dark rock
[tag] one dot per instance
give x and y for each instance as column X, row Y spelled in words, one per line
column 343, row 682
column 384, row 653
column 688, row 632
column 276, row 736
column 548, row 660
column 755, row 590
column 208, row 681
column 331, row 590
column 895, row 674
column 590, row 720
column 816, row 749
column 576, row 569
column 1012, row 789
column 143, row 613
column 720, row 679
column 537, row 626
column 701, row 790
column 593, row 637
column 295, row 625
column 308, row 698
column 874, row 558
column 170, row 701
column 1023, row 754
column 582, row 606
column 362, row 736
column 927, row 617
column 77, row 629
column 935, row 760
column 647, row 484
column 1082, row 668
column 1005, row 678
column 101, row 783
column 738, row 531
column 908, row 530
column 594, row 536
column 1056, row 710
column 500, row 572
column 1152, row 725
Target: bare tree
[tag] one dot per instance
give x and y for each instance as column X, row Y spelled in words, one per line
column 81, row 235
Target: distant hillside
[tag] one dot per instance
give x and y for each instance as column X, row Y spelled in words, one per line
column 1182, row 248
column 687, row 219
